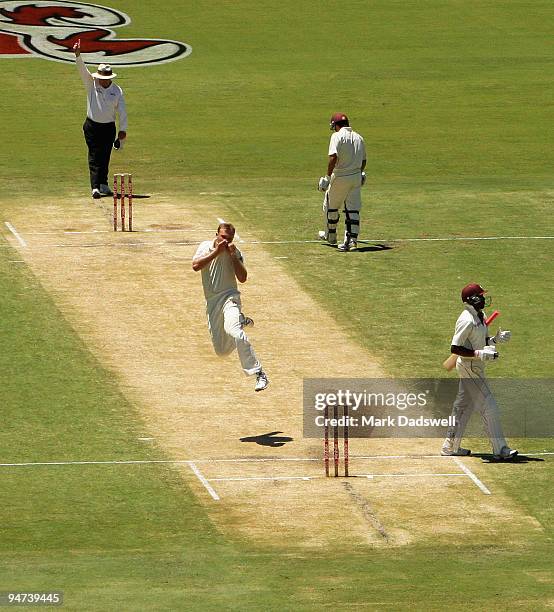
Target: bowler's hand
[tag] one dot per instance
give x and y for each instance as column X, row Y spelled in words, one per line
column 121, row 135
column 77, row 48
column 220, row 245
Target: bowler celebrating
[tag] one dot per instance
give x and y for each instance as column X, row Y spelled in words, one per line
column 222, row 264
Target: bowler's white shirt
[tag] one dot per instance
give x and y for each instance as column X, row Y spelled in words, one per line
column 349, row 148
column 218, row 277
column 103, row 103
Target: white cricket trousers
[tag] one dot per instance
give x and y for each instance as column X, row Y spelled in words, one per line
column 227, row 334
column 343, row 194
column 474, row 394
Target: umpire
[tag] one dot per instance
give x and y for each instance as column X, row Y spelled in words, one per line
column 104, row 101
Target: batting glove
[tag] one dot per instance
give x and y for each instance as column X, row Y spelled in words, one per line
column 487, row 354
column 323, row 184
column 363, row 179
column 501, row 336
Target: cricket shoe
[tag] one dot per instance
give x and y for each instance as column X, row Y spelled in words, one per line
column 245, row 321
column 449, row 452
column 322, row 235
column 261, row 381
column 351, row 245
column 506, row 454
column 96, row 194
column 105, row 190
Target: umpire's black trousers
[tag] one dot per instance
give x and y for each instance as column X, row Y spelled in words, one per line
column 99, row 138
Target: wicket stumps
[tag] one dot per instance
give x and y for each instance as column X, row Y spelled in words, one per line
column 334, row 423
column 119, row 192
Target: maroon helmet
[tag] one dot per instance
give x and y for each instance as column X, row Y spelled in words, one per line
column 470, row 290
column 338, row 119
column 474, row 295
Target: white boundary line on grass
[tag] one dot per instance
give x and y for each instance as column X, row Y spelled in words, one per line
column 15, row 233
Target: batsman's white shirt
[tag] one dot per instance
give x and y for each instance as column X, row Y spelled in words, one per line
column 349, row 148
column 471, row 333
column 218, row 278
column 103, row 103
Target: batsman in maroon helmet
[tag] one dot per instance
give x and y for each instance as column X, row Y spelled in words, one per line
column 342, row 183
column 475, row 348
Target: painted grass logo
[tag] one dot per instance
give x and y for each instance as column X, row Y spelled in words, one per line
column 49, row 29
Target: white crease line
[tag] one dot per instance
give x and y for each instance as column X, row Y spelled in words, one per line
column 203, row 480
column 147, row 230
column 257, row 459
column 262, row 459
column 15, row 233
column 284, row 242
column 239, row 239
column 242, row 478
column 248, row 478
column 129, row 462
column 236, row 460
column 398, row 457
column 419, row 475
column 454, row 238
column 472, row 476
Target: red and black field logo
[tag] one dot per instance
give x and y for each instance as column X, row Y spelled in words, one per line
column 49, row 29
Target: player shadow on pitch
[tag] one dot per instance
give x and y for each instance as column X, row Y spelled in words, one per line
column 268, row 439
column 489, row 458
column 374, row 248
column 136, row 196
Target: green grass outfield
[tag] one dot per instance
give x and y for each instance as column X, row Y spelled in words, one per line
column 454, row 100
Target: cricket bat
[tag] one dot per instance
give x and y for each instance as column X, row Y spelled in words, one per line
column 450, row 363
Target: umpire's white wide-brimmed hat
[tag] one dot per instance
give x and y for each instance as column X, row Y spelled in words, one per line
column 104, row 72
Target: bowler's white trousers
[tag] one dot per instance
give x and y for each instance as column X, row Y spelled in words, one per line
column 474, row 394
column 227, row 333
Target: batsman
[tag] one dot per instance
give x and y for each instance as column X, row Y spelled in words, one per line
column 475, row 348
column 342, row 183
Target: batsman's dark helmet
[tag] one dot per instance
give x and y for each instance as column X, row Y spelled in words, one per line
column 474, row 295
column 338, row 119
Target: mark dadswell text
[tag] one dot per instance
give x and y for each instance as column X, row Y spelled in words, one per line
column 388, row 421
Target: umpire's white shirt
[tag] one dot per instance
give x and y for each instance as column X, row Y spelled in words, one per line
column 218, row 278
column 349, row 148
column 103, row 103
